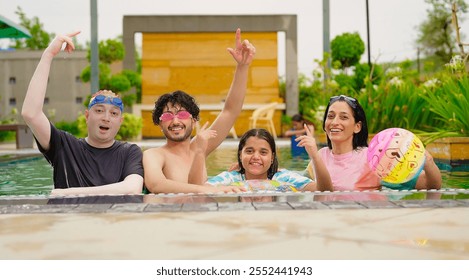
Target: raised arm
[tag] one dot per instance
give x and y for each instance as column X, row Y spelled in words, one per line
column 243, row 54
column 323, row 178
column 33, row 103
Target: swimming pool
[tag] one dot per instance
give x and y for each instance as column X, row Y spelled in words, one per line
column 29, row 175
column 32, row 175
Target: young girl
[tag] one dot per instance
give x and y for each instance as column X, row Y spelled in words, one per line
column 257, row 160
column 346, row 153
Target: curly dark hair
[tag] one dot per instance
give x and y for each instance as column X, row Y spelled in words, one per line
column 177, row 97
column 261, row 134
column 360, row 139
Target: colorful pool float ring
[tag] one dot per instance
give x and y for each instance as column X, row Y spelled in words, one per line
column 266, row 185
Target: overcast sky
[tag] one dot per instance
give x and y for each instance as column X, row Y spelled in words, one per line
column 393, row 23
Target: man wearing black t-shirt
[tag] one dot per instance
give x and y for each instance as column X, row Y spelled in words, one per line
column 97, row 164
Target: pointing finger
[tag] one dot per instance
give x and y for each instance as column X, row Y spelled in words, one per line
column 308, row 132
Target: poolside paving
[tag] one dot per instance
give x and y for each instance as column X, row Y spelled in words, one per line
column 233, row 226
column 272, row 226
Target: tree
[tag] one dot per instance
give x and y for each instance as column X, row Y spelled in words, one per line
column 39, row 40
column 362, row 73
column 110, row 51
column 347, row 49
column 436, row 35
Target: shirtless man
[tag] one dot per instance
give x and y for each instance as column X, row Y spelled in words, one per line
column 179, row 165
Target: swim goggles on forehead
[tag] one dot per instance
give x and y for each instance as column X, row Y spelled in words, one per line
column 169, row 116
column 105, row 99
column 350, row 100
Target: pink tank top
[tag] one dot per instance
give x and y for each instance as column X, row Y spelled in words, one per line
column 350, row 171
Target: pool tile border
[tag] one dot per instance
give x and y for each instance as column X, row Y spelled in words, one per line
column 265, row 201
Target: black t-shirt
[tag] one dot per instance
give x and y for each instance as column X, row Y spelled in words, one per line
column 77, row 164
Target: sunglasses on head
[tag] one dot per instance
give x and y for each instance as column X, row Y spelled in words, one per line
column 350, row 100
column 169, row 116
column 105, row 99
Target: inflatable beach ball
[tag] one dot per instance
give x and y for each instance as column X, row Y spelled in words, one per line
column 396, row 155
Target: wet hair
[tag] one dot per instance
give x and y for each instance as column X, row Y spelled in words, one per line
column 360, row 139
column 297, row 118
column 177, row 97
column 261, row 134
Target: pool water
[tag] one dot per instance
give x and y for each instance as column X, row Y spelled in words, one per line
column 26, row 176
column 33, row 175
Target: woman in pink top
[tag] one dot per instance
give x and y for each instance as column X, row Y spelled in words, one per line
column 345, row 156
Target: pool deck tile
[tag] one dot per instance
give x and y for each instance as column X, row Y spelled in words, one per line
column 30, row 209
column 419, row 203
column 379, row 204
column 308, row 205
column 163, row 207
column 91, row 208
column 272, row 206
column 235, row 206
column 343, row 204
column 128, row 207
column 190, row 207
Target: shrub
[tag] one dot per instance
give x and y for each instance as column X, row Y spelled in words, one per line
column 71, row 127
column 6, row 135
column 450, row 103
column 130, row 128
column 8, row 119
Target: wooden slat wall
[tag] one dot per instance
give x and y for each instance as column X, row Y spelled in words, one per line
column 199, row 64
